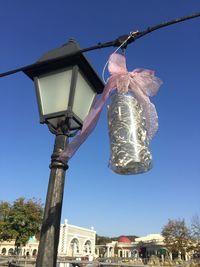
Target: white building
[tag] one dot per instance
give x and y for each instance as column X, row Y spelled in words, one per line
column 124, row 248
column 8, row 247
column 74, row 241
column 157, row 238
column 142, row 247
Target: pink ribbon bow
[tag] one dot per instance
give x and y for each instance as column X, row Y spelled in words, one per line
column 141, row 82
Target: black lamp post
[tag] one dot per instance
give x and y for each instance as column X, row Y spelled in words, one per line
column 66, row 86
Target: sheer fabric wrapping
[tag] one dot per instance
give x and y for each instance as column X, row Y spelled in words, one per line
column 129, row 151
column 133, row 119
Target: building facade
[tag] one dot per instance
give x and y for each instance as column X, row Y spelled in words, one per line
column 142, row 247
column 74, row 241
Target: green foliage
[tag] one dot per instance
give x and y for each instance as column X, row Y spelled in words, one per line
column 6, row 232
column 177, row 236
column 195, row 228
column 102, row 240
column 20, row 220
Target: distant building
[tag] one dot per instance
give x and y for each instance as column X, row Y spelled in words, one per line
column 152, row 244
column 79, row 242
column 31, row 248
column 142, row 247
column 122, row 248
column 74, row 241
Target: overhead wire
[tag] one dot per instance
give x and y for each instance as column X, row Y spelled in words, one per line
column 120, row 42
column 121, row 46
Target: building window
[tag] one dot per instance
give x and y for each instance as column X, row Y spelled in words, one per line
column 3, row 251
column 88, row 247
column 11, row 251
column 34, row 252
column 74, row 245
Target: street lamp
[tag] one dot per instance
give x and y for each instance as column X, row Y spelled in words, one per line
column 66, row 86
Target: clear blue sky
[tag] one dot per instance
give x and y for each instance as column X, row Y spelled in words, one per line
column 94, row 196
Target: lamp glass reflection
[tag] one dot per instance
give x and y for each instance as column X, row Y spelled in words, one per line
column 83, row 97
column 54, row 90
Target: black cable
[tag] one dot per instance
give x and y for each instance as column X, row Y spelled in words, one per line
column 128, row 39
column 159, row 26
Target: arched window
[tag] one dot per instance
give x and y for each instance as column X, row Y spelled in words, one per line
column 74, row 246
column 88, row 247
column 34, row 253
column 11, row 251
column 3, row 251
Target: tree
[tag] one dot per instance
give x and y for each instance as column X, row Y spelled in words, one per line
column 21, row 220
column 195, row 229
column 102, row 240
column 177, row 237
column 5, row 232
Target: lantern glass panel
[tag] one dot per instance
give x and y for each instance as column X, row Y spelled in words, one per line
column 54, row 90
column 83, row 98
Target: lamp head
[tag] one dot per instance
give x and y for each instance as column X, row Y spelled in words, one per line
column 66, row 85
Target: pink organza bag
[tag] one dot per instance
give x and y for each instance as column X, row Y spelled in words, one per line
column 141, row 83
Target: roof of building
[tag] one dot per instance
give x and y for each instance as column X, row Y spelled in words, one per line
column 150, row 238
column 124, row 239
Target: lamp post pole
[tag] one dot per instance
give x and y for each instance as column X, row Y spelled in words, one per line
column 66, row 86
column 49, row 239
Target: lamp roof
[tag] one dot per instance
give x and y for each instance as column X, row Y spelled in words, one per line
column 68, row 49
column 67, row 55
